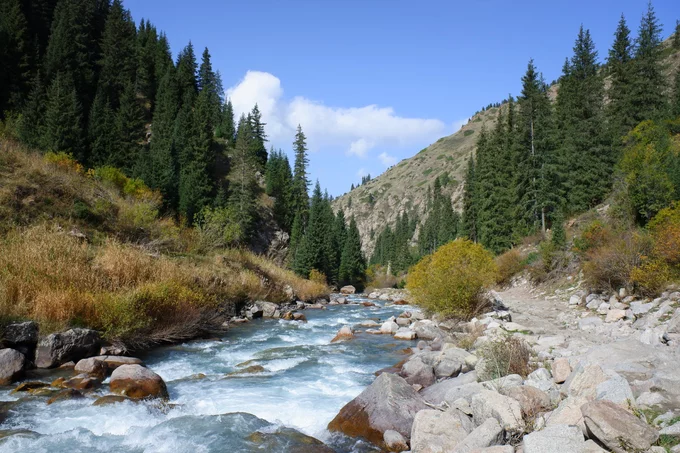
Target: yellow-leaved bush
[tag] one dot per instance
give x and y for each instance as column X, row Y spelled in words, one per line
column 451, row 280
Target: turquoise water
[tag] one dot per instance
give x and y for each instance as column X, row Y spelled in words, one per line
column 305, row 382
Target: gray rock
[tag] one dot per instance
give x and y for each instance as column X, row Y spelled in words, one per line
column 450, row 362
column 389, row 403
column 614, row 315
column 136, row 381
column 496, row 449
column 507, row 411
column 436, row 393
column 394, row 441
column 616, row 428
column 349, row 289
column 389, row 327
column 511, row 380
column 555, row 439
column 576, row 299
column 673, row 430
column 267, row 308
column 404, row 334
column 466, row 391
column 415, row 371
column 72, row 345
column 485, row 435
column 641, row 308
column 426, row 331
column 603, row 308
column 583, row 381
column 591, row 447
column 436, row 431
column 92, row 367
column 11, row 365
column 616, row 389
column 22, row 337
column 589, row 323
column 568, row 413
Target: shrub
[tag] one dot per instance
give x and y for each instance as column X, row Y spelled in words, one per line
column 378, row 277
column 451, row 280
column 651, row 277
column 505, row 356
column 509, row 264
column 317, row 277
column 65, row 161
column 594, row 235
column 665, row 229
column 218, row 228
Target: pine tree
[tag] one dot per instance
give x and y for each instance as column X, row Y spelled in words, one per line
column 227, row 129
column 316, row 250
column 147, row 45
column 63, row 119
column 210, row 86
column 648, row 100
column 130, row 131
column 676, row 95
column 300, row 196
column 352, row 263
column 259, row 137
column 101, row 131
column 620, row 66
column 559, row 235
column 279, row 179
column 186, row 74
column 243, row 185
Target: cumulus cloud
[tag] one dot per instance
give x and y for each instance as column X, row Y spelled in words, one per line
column 355, row 129
column 387, row 160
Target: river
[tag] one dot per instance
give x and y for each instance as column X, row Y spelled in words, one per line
column 305, row 382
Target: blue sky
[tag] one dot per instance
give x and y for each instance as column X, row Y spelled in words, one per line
column 374, row 81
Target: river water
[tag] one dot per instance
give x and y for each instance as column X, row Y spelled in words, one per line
column 305, row 382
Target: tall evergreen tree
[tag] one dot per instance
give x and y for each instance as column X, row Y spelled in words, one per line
column 279, row 179
column 101, row 131
column 130, row 131
column 63, row 118
column 32, row 123
column 147, row 48
column 15, row 50
column 676, row 35
column 226, row 128
column 469, row 221
column 187, row 82
column 210, row 86
column 259, row 137
column 620, row 67
column 300, row 195
column 352, row 263
column 243, row 186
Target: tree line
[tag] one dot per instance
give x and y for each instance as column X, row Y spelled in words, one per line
column 80, row 77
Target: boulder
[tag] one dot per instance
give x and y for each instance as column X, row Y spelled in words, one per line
column 531, row 400
column 11, row 365
column 583, row 381
column 63, row 395
column 555, row 439
column 616, row 389
column 135, row 381
column 505, row 382
column 436, row 431
column 369, row 323
column 450, row 362
column 349, row 289
column 389, row 403
column 345, row 333
column 485, row 435
column 507, row 411
column 426, row 330
column 415, row 371
column 436, row 393
column 614, row 315
column 616, row 428
column 576, row 299
column 30, row 385
column 93, row 367
column 114, row 361
column 561, row 370
column 81, row 382
column 465, row 391
column 74, row 344
column 266, row 308
column 568, row 413
column 389, row 327
column 394, row 441
column 22, row 337
column 403, row 322
column 591, row 447
column 405, row 334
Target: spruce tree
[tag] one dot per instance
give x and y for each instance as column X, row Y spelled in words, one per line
column 15, row 49
column 147, row 45
column 63, row 119
column 316, row 250
column 186, row 74
column 469, row 221
column 130, row 131
column 210, row 86
column 620, row 112
column 352, row 269
column 102, row 131
column 279, row 179
column 226, row 128
column 243, row 187
column 676, row 35
column 32, row 122
column 676, row 94
column 300, row 196
column 259, row 137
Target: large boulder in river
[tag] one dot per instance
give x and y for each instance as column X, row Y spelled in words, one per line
column 349, row 289
column 135, row 381
column 93, row 367
column 267, row 309
column 388, row 403
column 345, row 333
column 11, row 365
column 62, row 347
column 21, row 336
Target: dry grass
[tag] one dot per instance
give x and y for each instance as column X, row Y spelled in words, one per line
column 505, row 356
column 509, row 264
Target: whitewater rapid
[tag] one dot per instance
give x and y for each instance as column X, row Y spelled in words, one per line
column 305, row 382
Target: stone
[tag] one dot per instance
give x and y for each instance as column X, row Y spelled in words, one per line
column 583, row 381
column 81, row 382
column 345, row 333
column 576, row 299
column 603, row 308
column 136, row 381
column 30, row 385
column 426, row 330
column 403, row 322
column 299, row 317
column 555, row 439
column 465, row 391
column 389, row 403
column 22, row 337
column 514, row 327
column 66, row 394
column 12, row 364
column 511, row 380
column 268, row 309
column 591, row 447
column 349, row 289
column 616, row 428
column 617, row 390
column 389, row 327
column 394, row 441
column 436, row 393
column 641, row 308
column 436, row 431
column 568, row 413
column 114, row 361
column 405, row 334
column 589, row 323
column 92, row 367
column 368, row 304
column 485, row 435
column 650, row 399
column 531, row 400
column 369, row 323
column 74, row 344
column 614, row 315
column 561, row 370
column 673, row 430
column 506, row 410
column 449, row 363
column 415, row 371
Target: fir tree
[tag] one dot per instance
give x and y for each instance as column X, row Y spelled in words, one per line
column 300, row 196
column 352, row 268
column 32, row 122
column 559, row 235
column 147, row 45
column 620, row 66
column 210, row 86
column 469, row 221
column 63, row 119
column 243, row 185
column 676, row 94
column 259, row 137
column 676, row 35
column 15, row 50
column 130, row 131
column 186, row 74
column 226, row 128
column 102, row 131
column 278, row 179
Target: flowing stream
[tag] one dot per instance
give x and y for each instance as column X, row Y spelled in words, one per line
column 305, row 382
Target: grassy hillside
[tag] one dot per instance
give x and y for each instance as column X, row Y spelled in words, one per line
column 88, row 248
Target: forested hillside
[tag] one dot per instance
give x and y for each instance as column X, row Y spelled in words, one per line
column 79, row 79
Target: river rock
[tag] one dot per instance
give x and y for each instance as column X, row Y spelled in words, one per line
column 66, row 394
column 405, row 334
column 436, row 431
column 345, row 333
column 389, row 403
column 465, row 391
column 394, row 441
column 389, row 327
column 616, row 428
column 11, row 365
column 349, row 289
column 426, row 330
column 614, row 315
column 135, row 381
column 555, row 439
column 369, row 323
column 576, row 299
column 30, row 385
column 450, row 362
column 22, row 337
column 82, row 381
column 561, row 370
column 114, row 361
column 506, row 410
column 268, row 309
column 93, row 366
column 416, row 371
column 74, row 344
column 110, row 399
column 485, row 435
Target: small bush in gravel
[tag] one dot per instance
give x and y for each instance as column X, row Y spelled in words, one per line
column 507, row 355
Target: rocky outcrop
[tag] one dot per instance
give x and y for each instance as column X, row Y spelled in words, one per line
column 616, row 428
column 389, row 403
column 72, row 345
column 136, row 381
column 11, row 365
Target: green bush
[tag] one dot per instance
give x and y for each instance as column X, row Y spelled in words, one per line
column 451, row 280
column 218, row 228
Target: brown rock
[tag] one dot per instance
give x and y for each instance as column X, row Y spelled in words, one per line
column 252, row 369
column 82, row 381
column 299, row 317
column 67, row 394
column 114, row 361
column 30, row 385
column 349, row 289
column 389, row 403
column 135, row 381
column 110, row 399
column 368, row 304
column 531, row 400
column 616, row 428
column 93, row 367
column 400, row 302
column 345, row 333
column 561, row 370
column 11, row 366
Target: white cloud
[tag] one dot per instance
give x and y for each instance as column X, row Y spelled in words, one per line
column 387, row 160
column 355, row 129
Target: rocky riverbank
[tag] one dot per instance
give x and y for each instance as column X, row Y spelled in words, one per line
column 601, row 375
